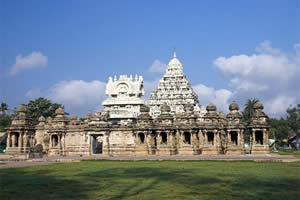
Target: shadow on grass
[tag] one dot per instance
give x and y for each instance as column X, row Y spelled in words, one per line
column 20, row 184
column 136, row 182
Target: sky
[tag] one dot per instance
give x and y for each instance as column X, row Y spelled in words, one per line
column 230, row 50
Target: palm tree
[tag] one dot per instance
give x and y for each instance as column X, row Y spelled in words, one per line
column 3, row 107
column 248, row 111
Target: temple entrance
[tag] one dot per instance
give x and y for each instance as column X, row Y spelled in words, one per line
column 54, row 140
column 234, row 137
column 187, row 138
column 97, row 144
column 259, row 137
column 141, row 138
column 164, row 137
column 210, row 138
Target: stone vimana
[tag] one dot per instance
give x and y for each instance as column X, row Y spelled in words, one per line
column 170, row 122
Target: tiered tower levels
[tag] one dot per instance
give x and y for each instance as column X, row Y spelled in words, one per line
column 174, row 90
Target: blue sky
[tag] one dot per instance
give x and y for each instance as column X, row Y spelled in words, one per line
column 230, row 50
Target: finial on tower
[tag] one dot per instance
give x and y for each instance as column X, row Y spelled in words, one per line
column 174, row 54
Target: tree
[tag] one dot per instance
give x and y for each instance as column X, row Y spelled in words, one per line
column 3, row 108
column 5, row 119
column 41, row 107
column 248, row 111
column 247, row 114
column 279, row 128
column 293, row 118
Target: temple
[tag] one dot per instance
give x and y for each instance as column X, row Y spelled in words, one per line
column 171, row 122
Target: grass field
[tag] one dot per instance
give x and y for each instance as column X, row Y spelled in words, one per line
column 153, row 180
column 289, row 152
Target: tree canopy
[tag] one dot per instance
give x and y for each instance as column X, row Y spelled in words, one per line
column 3, row 108
column 247, row 114
column 293, row 118
column 248, row 111
column 5, row 119
column 279, row 128
column 41, row 107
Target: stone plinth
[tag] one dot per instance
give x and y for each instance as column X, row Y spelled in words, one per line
column 260, row 149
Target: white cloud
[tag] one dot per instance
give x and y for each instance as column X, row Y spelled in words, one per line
column 270, row 76
column 77, row 96
column 221, row 98
column 279, row 105
column 34, row 93
column 33, row 61
column 266, row 48
column 296, row 46
column 157, row 67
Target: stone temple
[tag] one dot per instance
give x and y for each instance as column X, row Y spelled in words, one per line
column 175, row 90
column 171, row 122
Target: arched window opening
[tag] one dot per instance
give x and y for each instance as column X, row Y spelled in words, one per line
column 164, row 137
column 259, row 137
column 210, row 138
column 54, row 140
column 141, row 138
column 234, row 137
column 187, row 137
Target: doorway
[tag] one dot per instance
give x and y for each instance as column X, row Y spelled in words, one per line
column 97, row 144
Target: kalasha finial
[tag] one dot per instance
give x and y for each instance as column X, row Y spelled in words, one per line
column 174, row 55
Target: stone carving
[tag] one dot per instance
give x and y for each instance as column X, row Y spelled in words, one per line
column 174, row 90
column 124, row 97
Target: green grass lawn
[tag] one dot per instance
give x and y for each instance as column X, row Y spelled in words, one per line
column 153, row 180
column 289, row 152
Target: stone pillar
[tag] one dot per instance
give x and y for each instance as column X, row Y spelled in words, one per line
column 50, row 141
column 20, row 141
column 265, row 134
column 205, row 138
column 253, row 137
column 25, row 141
column 59, row 142
column 215, row 138
column 90, row 143
column 8, row 142
column 63, row 144
column 136, row 138
column 158, row 138
column 169, row 138
column 229, row 137
column 200, row 138
column 239, row 137
column 13, row 140
column 242, row 137
column 191, row 137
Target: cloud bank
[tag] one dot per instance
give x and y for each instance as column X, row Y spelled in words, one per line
column 269, row 75
column 33, row 61
column 76, row 95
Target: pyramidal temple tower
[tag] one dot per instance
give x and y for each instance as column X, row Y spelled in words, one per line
column 174, row 90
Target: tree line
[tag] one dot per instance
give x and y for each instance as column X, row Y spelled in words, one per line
column 280, row 128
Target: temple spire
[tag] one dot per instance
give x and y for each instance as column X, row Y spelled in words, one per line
column 174, row 54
